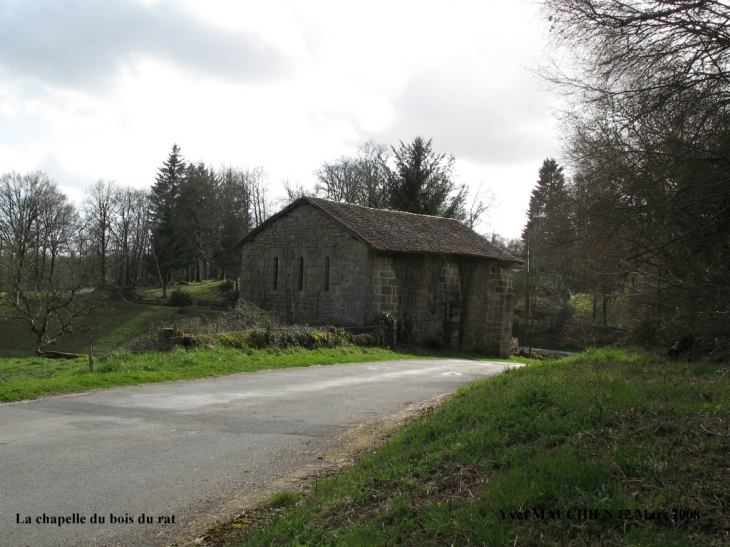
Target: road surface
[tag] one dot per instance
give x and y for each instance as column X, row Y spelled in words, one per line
column 159, row 463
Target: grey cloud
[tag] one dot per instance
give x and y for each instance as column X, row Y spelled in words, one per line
column 79, row 43
column 484, row 126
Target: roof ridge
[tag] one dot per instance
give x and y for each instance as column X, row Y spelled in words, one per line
column 385, row 230
column 393, row 211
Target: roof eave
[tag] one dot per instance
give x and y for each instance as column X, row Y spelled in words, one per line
column 513, row 260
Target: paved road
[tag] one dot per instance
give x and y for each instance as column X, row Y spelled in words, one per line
column 193, row 450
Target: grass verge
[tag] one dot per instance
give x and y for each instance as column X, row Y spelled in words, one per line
column 28, row 378
column 604, row 448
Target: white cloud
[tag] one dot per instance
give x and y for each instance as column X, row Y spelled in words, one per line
column 92, row 90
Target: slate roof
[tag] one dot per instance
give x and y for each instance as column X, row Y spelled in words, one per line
column 400, row 232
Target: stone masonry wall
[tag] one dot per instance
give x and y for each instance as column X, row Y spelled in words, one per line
column 457, row 302
column 305, row 232
column 461, row 302
column 486, row 316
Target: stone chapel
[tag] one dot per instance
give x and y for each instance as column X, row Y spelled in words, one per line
column 322, row 262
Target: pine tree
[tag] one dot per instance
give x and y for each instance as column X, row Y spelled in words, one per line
column 423, row 181
column 550, row 188
column 167, row 238
column 545, row 219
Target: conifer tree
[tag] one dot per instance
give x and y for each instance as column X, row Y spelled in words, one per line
column 423, row 181
column 544, row 199
column 167, row 238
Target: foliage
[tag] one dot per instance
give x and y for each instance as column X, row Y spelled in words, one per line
column 168, row 239
column 423, row 181
column 179, row 298
column 199, row 214
column 412, row 178
column 389, row 327
column 248, row 326
column 605, row 430
column 550, row 182
column 647, row 140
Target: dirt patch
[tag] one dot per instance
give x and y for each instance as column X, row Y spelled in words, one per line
column 328, row 456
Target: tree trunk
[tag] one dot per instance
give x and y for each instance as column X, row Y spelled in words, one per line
column 37, row 346
column 163, row 277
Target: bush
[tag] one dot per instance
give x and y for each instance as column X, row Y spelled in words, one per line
column 389, row 327
column 363, row 340
column 179, row 298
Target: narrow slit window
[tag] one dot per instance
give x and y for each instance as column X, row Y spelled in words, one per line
column 300, row 284
column 276, row 273
column 326, row 273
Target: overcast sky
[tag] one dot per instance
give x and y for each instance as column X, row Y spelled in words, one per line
column 95, row 89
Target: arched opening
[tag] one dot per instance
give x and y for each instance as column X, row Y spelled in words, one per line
column 300, row 272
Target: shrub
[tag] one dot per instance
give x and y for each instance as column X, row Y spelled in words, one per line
column 179, row 298
column 363, row 339
column 389, row 324
column 232, row 341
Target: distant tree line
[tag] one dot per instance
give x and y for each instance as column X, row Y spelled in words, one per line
column 198, row 214
column 646, row 212
column 185, row 227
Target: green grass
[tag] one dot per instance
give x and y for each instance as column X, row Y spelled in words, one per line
column 111, row 326
column 606, row 430
column 33, row 377
column 205, row 290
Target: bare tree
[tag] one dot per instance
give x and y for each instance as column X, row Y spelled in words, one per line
column 339, row 181
column 129, row 228
column 481, row 203
column 235, row 218
column 646, row 132
column 293, row 192
column 363, row 179
column 100, row 207
column 37, row 230
column 260, row 199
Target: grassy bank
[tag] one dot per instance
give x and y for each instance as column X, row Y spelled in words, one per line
column 27, row 378
column 112, row 325
column 604, row 448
